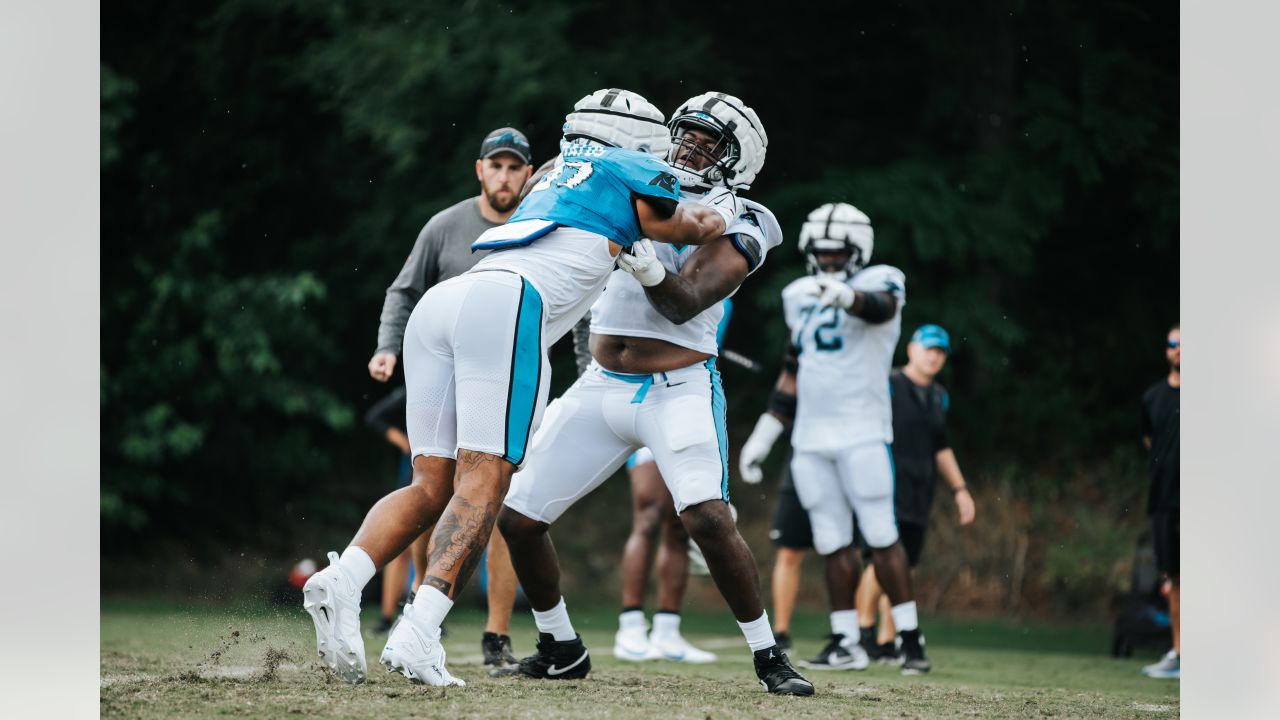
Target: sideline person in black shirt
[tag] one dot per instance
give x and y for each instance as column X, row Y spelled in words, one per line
column 1160, row 434
column 921, row 453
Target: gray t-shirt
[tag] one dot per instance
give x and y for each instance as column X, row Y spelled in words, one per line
column 442, row 251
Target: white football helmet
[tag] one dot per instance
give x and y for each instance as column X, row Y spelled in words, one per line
column 738, row 155
column 837, row 227
column 618, row 118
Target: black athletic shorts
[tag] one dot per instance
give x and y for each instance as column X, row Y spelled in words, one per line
column 791, row 527
column 1164, row 534
column 911, row 535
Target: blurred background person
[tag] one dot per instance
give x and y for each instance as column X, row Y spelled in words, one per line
column 791, row 535
column 921, row 454
column 443, row 251
column 386, row 418
column 1160, row 435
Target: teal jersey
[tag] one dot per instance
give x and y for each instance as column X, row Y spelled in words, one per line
column 595, row 189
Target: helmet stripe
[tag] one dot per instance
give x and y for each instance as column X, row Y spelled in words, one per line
column 641, row 118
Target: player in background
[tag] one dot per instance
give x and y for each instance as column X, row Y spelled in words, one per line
column 477, row 372
column 844, row 320
column 654, row 515
column 921, row 454
column 1161, row 434
column 653, row 383
column 443, row 251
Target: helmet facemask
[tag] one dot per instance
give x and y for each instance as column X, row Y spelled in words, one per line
column 716, row 162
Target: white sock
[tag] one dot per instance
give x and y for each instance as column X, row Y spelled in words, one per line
column 904, row 616
column 556, row 622
column 430, row 606
column 845, row 622
column 758, row 633
column 357, row 565
column 666, row 624
column 631, row 619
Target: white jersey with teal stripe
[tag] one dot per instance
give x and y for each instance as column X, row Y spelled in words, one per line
column 624, row 310
column 842, row 386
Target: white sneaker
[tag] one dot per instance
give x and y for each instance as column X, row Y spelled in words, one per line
column 334, row 606
column 676, row 648
column 632, row 644
column 1169, row 667
column 413, row 652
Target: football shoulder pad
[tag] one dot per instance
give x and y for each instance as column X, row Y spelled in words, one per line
column 881, row 278
column 755, row 232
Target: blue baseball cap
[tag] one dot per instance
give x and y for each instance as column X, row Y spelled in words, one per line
column 932, row 336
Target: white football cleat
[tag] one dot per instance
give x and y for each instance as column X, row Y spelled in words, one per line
column 632, row 644
column 677, row 649
column 413, row 652
column 334, row 606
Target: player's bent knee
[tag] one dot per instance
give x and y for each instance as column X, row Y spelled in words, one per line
column 516, row 526
column 707, row 520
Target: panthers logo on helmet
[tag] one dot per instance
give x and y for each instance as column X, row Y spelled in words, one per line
column 837, row 227
column 618, row 118
column 740, row 143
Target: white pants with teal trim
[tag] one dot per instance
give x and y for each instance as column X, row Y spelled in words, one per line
column 589, row 432
column 475, row 366
column 835, row 485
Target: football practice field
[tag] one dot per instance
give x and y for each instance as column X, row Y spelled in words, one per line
column 167, row 660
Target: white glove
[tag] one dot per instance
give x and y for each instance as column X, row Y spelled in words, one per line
column 835, row 292
column 809, row 285
column 723, row 201
column 757, row 448
column 642, row 263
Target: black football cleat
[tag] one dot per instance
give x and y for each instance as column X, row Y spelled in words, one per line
column 776, row 674
column 912, row 651
column 554, row 660
column 497, row 650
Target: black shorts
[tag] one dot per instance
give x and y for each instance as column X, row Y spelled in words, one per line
column 911, row 535
column 1164, row 535
column 791, row 527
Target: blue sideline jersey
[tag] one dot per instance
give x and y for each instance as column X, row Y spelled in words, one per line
column 595, row 188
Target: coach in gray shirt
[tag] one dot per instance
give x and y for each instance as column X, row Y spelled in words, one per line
column 443, row 248
column 442, row 251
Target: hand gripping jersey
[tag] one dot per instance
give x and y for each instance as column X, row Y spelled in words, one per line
column 624, row 310
column 842, row 386
column 556, row 237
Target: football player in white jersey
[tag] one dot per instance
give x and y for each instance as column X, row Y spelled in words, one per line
column 653, row 383
column 476, row 369
column 844, row 318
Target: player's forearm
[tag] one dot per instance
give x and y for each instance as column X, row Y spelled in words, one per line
column 874, row 307
column 949, row 469
column 699, row 226
column 396, row 437
column 782, row 402
column 678, row 299
column 396, row 309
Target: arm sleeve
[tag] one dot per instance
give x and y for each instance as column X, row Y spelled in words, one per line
column 420, row 272
column 581, row 343
column 648, row 179
column 387, row 413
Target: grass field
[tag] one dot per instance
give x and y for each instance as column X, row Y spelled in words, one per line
column 164, row 661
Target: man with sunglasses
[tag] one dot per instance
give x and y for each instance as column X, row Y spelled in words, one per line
column 1160, row 434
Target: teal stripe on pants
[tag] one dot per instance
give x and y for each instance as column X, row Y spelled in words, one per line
column 722, row 434
column 526, row 373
